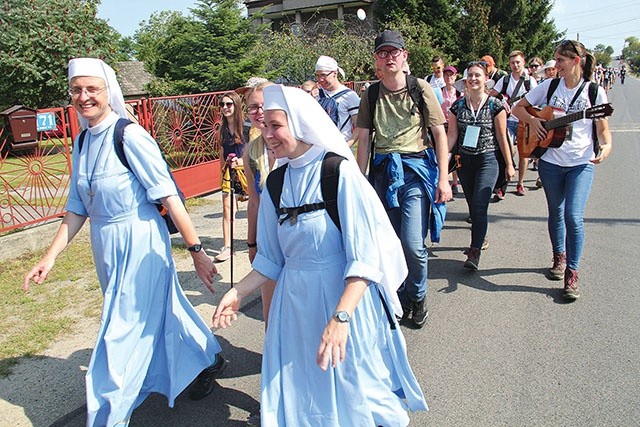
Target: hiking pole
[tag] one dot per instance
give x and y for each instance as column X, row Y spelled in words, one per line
column 232, row 199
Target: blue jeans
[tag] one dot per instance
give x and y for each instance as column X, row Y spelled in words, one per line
column 478, row 174
column 411, row 223
column 567, row 190
column 512, row 130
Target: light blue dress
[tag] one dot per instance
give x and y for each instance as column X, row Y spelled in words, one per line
column 150, row 339
column 310, row 261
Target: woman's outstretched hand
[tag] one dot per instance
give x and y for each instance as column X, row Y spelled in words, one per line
column 38, row 273
column 227, row 309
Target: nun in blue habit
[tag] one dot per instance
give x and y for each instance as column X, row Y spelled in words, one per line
column 333, row 355
column 151, row 339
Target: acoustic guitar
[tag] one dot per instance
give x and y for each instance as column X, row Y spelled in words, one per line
column 528, row 143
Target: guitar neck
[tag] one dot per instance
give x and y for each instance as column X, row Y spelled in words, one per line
column 564, row 120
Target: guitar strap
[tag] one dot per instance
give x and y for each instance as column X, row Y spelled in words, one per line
column 575, row 97
column 518, row 86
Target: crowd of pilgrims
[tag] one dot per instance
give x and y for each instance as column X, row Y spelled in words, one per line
column 343, row 190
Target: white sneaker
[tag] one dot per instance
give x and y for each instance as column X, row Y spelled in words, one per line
column 223, row 255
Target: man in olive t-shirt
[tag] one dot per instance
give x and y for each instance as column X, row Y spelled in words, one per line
column 409, row 170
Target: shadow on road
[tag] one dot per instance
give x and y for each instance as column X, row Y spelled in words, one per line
column 452, row 272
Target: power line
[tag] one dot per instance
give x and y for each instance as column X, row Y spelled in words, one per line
column 582, row 30
column 596, row 11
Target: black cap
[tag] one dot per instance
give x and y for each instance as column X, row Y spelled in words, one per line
column 389, row 38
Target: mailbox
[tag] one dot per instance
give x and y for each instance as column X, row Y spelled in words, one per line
column 20, row 128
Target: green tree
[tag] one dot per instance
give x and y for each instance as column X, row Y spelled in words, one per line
column 289, row 56
column 441, row 17
column 125, row 49
column 631, row 52
column 465, row 30
column 203, row 52
column 419, row 39
column 603, row 54
column 37, row 39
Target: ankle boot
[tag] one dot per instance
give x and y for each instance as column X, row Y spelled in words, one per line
column 559, row 265
column 571, row 291
column 473, row 259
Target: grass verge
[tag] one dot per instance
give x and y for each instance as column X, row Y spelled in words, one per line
column 30, row 322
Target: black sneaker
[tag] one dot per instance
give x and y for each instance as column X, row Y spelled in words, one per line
column 420, row 313
column 204, row 383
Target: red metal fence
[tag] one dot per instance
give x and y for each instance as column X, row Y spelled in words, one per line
column 34, row 184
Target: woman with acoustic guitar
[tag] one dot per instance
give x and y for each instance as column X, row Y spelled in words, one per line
column 478, row 125
column 567, row 170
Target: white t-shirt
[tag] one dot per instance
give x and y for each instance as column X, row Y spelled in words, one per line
column 579, row 149
column 435, row 82
column 511, row 87
column 348, row 104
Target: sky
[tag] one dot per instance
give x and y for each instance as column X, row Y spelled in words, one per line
column 592, row 22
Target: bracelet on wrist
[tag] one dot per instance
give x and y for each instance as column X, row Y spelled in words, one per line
column 252, row 245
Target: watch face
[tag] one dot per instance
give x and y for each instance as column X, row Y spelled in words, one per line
column 342, row 316
column 195, row 248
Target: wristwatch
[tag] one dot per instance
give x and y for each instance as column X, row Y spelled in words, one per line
column 341, row 316
column 195, row 248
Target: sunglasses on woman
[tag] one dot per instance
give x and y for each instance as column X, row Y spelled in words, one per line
column 226, row 104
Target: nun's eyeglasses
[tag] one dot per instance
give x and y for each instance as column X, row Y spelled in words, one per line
column 90, row 91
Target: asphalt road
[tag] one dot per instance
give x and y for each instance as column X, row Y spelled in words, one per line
column 500, row 347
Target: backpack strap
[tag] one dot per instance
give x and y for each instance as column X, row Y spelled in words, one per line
column 275, row 180
column 330, row 174
column 593, row 95
column 372, row 97
column 335, row 97
column 339, row 94
column 552, row 88
column 415, row 92
column 505, row 83
column 329, row 185
column 527, row 84
column 118, row 141
column 81, row 140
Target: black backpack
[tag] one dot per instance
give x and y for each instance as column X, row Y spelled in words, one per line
column 328, row 185
column 505, row 83
column 118, row 138
column 330, row 105
column 593, row 94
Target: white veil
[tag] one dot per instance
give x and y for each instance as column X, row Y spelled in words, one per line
column 94, row 67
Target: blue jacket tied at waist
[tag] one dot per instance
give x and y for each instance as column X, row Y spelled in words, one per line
column 426, row 167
